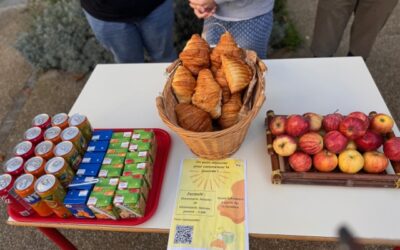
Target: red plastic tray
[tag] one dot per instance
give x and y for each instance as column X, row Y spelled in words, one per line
column 163, row 146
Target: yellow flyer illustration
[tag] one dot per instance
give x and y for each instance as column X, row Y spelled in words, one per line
column 210, row 210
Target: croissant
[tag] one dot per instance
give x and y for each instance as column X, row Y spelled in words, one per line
column 183, row 84
column 226, row 46
column 193, row 118
column 237, row 73
column 230, row 111
column 208, row 94
column 196, row 54
column 221, row 80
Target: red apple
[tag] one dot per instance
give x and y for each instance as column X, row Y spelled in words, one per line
column 375, row 162
column 325, row 161
column 335, row 141
column 311, row 143
column 391, row 148
column 370, row 141
column 332, row 121
column 382, row 123
column 360, row 115
column 315, row 121
column 296, row 125
column 284, row 145
column 300, row 162
column 277, row 125
column 352, row 128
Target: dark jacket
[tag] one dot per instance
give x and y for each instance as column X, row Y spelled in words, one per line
column 120, row 10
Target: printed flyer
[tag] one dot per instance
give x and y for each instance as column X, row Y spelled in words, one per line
column 210, row 210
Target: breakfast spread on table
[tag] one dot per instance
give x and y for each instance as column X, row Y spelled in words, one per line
column 66, row 168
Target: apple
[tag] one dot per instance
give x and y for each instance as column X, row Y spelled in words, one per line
column 277, row 125
column 351, row 145
column 311, row 143
column 391, row 148
column 284, row 145
column 352, row 128
column 325, row 161
column 350, row 161
column 332, row 121
column 335, row 141
column 370, row 141
column 296, row 125
column 362, row 116
column 315, row 121
column 382, row 123
column 375, row 162
column 300, row 162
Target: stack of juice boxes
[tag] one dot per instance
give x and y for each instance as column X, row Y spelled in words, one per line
column 115, row 175
column 65, row 168
column 44, row 163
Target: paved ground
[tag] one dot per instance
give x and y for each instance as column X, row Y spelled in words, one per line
column 55, row 92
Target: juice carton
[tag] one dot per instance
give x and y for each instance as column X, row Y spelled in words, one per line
column 119, row 135
column 138, row 157
column 105, row 182
column 119, row 143
column 110, row 159
column 102, row 135
column 144, row 168
column 76, row 200
column 111, row 170
column 88, row 169
column 83, row 182
column 130, row 203
column 143, row 145
column 117, row 151
column 93, row 158
column 134, row 182
column 101, row 202
column 140, row 134
column 97, row 146
column 101, row 198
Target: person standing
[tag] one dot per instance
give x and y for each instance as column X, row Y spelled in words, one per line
column 249, row 21
column 331, row 20
column 129, row 27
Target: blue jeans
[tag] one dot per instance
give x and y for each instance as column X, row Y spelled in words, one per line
column 251, row 34
column 128, row 40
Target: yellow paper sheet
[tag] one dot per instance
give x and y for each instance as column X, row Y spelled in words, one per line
column 210, row 211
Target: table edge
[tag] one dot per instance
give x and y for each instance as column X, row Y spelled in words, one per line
column 166, row 231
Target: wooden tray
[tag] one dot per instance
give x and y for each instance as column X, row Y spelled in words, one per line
column 282, row 173
column 160, row 164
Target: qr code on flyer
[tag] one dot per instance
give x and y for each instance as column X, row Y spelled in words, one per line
column 183, row 234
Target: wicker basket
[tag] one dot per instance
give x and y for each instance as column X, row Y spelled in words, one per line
column 223, row 143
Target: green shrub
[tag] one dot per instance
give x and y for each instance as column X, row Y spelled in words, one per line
column 60, row 38
column 284, row 33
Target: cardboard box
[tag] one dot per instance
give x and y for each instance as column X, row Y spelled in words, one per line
column 144, row 168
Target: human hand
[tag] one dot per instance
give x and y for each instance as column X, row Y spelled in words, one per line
column 203, row 8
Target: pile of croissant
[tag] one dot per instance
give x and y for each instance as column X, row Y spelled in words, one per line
column 209, row 84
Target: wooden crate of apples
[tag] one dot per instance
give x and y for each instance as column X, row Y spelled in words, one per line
column 335, row 149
